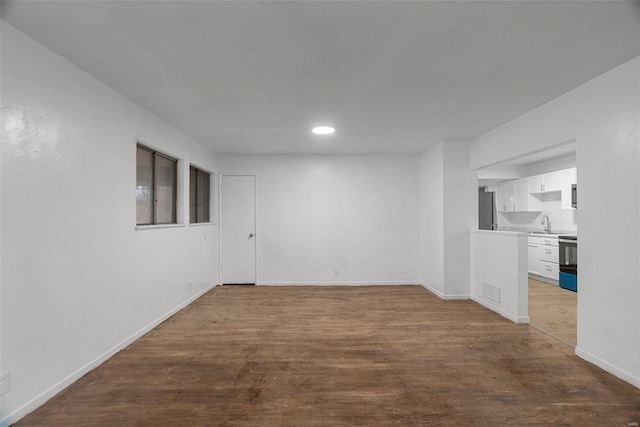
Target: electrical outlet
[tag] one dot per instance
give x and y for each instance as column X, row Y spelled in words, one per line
column 336, row 271
column 4, row 383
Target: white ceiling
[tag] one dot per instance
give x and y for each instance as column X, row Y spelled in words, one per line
column 392, row 77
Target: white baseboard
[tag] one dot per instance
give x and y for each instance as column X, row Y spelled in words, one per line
column 336, row 283
column 500, row 311
column 432, row 290
column 441, row 295
column 43, row 397
column 625, row 376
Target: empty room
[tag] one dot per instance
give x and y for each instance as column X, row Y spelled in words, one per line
column 319, row 213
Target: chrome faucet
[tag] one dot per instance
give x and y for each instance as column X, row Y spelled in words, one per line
column 547, row 224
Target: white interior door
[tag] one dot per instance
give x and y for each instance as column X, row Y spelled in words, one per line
column 238, row 229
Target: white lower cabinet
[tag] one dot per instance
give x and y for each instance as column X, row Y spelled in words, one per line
column 549, row 270
column 549, row 241
column 534, row 257
column 548, row 252
column 543, row 257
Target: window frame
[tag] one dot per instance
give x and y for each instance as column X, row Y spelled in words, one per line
column 154, row 211
column 209, row 209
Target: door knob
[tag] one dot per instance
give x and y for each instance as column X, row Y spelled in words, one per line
column 251, row 235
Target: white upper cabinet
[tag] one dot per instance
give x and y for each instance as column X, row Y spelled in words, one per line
column 546, row 183
column 569, row 177
column 506, row 196
column 521, row 194
column 513, row 196
column 524, row 201
column 553, row 181
column 525, row 194
column 536, row 184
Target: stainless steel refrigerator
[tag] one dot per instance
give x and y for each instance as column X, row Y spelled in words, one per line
column 486, row 210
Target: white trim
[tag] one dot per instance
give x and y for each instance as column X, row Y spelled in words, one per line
column 457, row 296
column 441, row 295
column 432, row 289
column 212, row 193
column 219, row 221
column 213, row 198
column 180, row 182
column 197, row 166
column 625, row 376
column 373, row 283
column 157, row 226
column 512, row 317
column 200, row 224
column 156, row 148
column 43, row 397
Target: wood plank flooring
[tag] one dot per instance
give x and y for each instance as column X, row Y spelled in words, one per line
column 341, row 356
column 554, row 310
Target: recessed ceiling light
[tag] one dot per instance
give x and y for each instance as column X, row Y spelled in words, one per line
column 323, row 130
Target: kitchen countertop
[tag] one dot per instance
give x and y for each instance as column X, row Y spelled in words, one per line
column 541, row 233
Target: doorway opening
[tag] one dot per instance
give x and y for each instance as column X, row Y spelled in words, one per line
column 534, row 196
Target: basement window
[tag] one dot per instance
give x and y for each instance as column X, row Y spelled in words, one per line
column 199, row 195
column 156, row 187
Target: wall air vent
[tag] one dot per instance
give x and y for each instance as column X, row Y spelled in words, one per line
column 490, row 291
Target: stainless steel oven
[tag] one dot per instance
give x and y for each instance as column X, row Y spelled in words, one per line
column 568, row 260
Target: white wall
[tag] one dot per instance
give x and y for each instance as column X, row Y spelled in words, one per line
column 448, row 211
column 502, row 173
column 603, row 116
column 460, row 216
column 78, row 280
column 432, row 219
column 1, row 238
column 499, row 259
column 568, row 162
column 314, row 213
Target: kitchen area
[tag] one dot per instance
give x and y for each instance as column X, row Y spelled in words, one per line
column 537, row 195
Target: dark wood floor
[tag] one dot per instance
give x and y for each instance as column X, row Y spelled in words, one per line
column 554, row 311
column 342, row 356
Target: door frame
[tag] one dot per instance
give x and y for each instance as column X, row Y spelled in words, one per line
column 221, row 223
